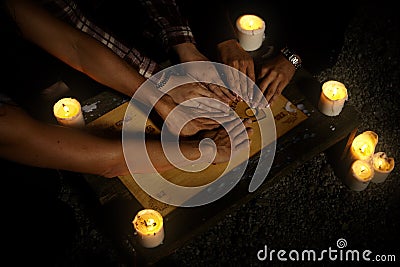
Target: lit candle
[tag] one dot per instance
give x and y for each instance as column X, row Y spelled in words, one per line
column 333, row 97
column 68, row 112
column 250, row 29
column 363, row 146
column 359, row 175
column 149, row 227
column 383, row 165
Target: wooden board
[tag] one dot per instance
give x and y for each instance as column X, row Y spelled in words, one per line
column 286, row 117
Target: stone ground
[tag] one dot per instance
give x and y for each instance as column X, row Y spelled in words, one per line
column 310, row 208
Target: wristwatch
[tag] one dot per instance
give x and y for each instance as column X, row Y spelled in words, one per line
column 292, row 57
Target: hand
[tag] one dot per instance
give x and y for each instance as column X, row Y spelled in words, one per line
column 233, row 55
column 274, row 76
column 232, row 139
column 188, row 120
column 188, row 52
column 185, row 90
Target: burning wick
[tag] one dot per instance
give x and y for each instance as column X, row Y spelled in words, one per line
column 334, row 91
column 65, row 107
column 363, row 148
column 150, row 223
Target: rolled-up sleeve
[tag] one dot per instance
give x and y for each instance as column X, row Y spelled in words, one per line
column 166, row 16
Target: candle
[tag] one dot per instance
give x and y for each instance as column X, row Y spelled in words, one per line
column 360, row 174
column 149, row 227
column 68, row 112
column 363, row 146
column 333, row 97
column 383, row 165
column 250, row 30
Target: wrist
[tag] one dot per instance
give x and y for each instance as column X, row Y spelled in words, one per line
column 292, row 57
column 163, row 79
column 165, row 105
column 229, row 43
column 188, row 52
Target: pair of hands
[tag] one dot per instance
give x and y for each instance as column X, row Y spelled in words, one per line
column 215, row 121
column 195, row 115
column 274, row 75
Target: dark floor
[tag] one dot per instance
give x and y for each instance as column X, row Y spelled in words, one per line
column 310, row 208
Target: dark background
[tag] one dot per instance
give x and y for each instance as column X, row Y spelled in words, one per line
column 309, row 208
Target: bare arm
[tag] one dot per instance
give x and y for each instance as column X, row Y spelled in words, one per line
column 34, row 143
column 73, row 47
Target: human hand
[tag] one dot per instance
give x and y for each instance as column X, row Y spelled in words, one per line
column 208, row 74
column 187, row 120
column 233, row 138
column 187, row 91
column 233, row 55
column 274, row 76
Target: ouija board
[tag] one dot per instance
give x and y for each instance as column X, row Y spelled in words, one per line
column 285, row 115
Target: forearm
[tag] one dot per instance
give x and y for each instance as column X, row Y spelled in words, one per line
column 37, row 144
column 155, row 149
column 73, row 47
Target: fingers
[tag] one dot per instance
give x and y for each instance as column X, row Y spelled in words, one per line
column 231, row 79
column 241, row 135
column 245, row 143
column 207, row 105
column 278, row 92
column 221, row 93
column 195, row 126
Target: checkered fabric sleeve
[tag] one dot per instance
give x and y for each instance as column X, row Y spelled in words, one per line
column 173, row 28
column 68, row 11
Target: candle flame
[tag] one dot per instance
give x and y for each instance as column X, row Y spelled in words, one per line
column 251, row 23
column 380, row 163
column 363, row 148
column 150, row 223
column 66, row 108
column 334, row 92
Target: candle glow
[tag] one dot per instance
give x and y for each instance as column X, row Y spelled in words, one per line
column 68, row 112
column 333, row 97
column 362, row 170
column 251, row 22
column 363, row 146
column 359, row 175
column 383, row 165
column 148, row 224
column 250, row 31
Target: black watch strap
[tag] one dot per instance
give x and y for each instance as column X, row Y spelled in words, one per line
column 292, row 57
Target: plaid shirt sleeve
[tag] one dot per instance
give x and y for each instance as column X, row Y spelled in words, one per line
column 173, row 28
column 68, row 11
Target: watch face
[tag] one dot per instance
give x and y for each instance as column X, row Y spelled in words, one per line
column 294, row 60
column 292, row 57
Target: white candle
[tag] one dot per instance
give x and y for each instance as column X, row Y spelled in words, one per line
column 363, row 146
column 250, row 30
column 149, row 227
column 68, row 112
column 359, row 175
column 333, row 97
column 383, row 165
